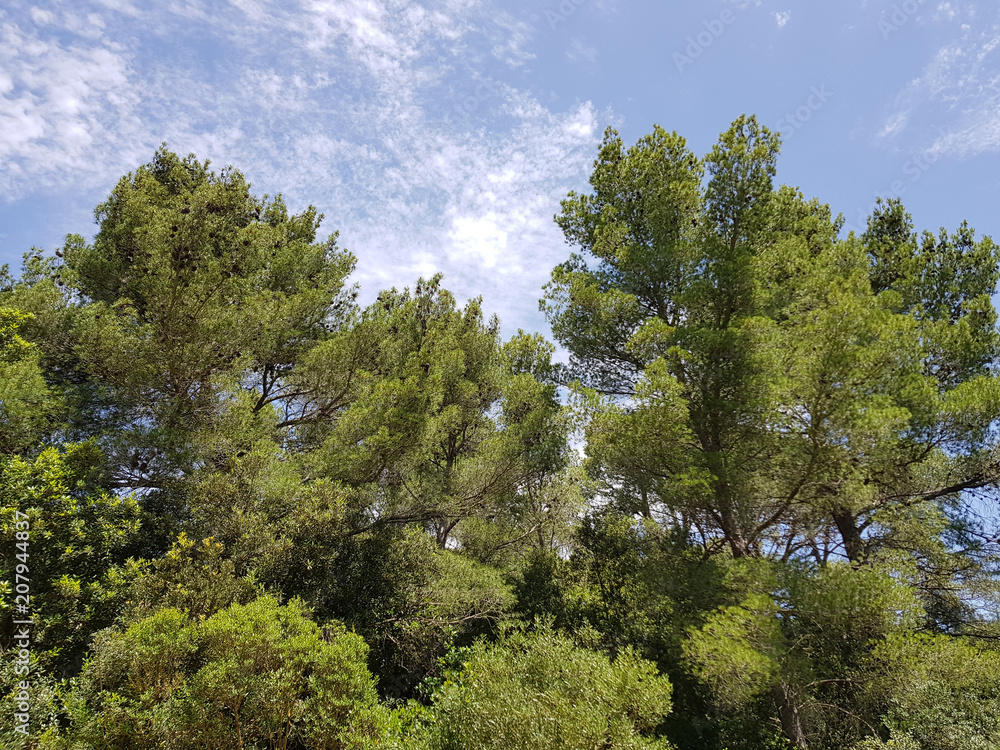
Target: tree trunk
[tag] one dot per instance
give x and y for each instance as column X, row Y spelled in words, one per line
column 739, row 545
column 847, row 525
column 442, row 530
column 788, row 714
column 728, row 516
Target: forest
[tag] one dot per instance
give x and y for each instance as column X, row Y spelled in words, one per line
column 744, row 499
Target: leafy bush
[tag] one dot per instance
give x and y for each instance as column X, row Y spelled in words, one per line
column 260, row 675
column 536, row 692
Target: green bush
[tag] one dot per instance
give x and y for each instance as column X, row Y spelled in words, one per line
column 537, row 692
column 260, row 675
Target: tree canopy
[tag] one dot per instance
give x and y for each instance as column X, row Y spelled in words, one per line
column 755, row 509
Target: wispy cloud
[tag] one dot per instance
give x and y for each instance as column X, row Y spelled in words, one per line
column 895, row 124
column 477, row 209
column 57, row 102
column 953, row 106
column 358, row 106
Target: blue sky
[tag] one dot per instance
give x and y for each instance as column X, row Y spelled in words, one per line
column 440, row 135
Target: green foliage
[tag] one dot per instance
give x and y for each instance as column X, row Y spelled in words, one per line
column 810, row 634
column 783, row 430
column 943, row 693
column 200, row 296
column 446, row 424
column 538, row 691
column 258, row 675
column 75, row 554
column 409, row 599
column 13, row 348
column 195, row 579
column 770, row 386
column 628, row 584
column 768, row 390
column 736, row 651
column 26, row 402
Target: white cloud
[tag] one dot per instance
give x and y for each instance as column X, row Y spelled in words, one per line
column 946, row 11
column 782, row 17
column 511, row 39
column 894, row 124
column 496, row 199
column 57, row 108
column 477, row 239
column 391, row 116
column 981, row 134
column 41, row 17
column 953, row 107
column 122, row 6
